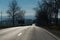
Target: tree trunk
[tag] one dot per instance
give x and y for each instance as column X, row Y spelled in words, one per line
column 56, row 17
column 13, row 20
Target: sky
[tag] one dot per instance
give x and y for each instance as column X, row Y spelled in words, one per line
column 26, row 5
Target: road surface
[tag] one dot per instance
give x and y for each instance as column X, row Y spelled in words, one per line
column 26, row 33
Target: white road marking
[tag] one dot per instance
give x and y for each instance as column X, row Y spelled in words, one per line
column 19, row 34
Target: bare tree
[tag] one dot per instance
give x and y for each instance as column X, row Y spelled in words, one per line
column 15, row 10
column 42, row 14
column 44, row 11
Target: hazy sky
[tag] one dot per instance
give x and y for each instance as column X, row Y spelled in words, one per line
column 26, row 5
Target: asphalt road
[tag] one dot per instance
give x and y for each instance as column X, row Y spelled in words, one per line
column 26, row 33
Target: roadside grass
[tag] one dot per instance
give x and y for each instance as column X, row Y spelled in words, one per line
column 54, row 30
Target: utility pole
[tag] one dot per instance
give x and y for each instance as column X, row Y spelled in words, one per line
column 1, row 18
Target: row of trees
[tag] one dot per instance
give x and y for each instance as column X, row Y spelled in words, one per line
column 15, row 13
column 46, row 10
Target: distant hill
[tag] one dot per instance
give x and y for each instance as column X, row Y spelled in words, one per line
column 29, row 17
column 3, row 18
column 26, row 17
